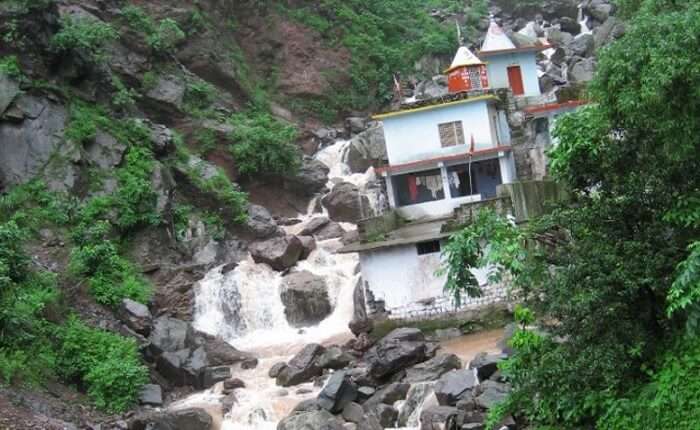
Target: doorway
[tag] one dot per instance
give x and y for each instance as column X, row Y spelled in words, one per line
column 515, row 80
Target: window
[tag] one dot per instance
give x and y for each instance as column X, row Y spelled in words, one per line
column 451, row 133
column 428, row 247
column 420, row 187
column 486, row 176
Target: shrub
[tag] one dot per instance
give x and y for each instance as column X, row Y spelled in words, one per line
column 263, row 144
column 124, row 99
column 206, row 140
column 9, row 66
column 12, row 257
column 150, row 80
column 166, row 36
column 108, row 364
column 85, row 35
column 198, row 97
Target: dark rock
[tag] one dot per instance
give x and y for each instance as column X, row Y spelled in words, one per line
column 302, row 367
column 398, row 350
column 486, row 364
column 312, row 420
column 387, row 415
column 441, row 417
column 332, row 230
column 432, row 369
column 364, row 393
column 173, row 366
column 167, row 95
column 558, row 56
column 491, row 393
column 414, row 399
column 232, row 384
column 453, row 385
column 558, row 37
column 355, row 124
column 359, row 326
column 611, row 29
column 389, row 394
column 151, row 394
column 314, row 225
column 162, row 138
column 345, row 203
column 136, row 316
column 279, row 252
column 599, row 10
column 185, row 419
column 104, row 151
column 228, row 402
column 338, row 392
column 276, row 369
column 308, row 244
column 353, row 413
column 583, row 46
column 218, row 351
column 307, row 405
column 169, row 334
column 583, row 70
column 249, row 363
column 431, row 88
column 334, row 358
column 310, row 179
column 9, row 89
column 260, row 222
column 212, row 375
column 305, row 299
column 365, row 150
column 569, row 25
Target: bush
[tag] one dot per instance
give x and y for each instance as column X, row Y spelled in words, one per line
column 166, row 36
column 85, row 35
column 198, row 97
column 9, row 66
column 263, row 144
column 108, row 364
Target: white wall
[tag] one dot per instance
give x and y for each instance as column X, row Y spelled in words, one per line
column 436, row 209
column 402, row 278
column 414, row 136
column 497, row 66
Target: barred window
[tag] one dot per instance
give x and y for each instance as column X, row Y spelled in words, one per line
column 451, row 133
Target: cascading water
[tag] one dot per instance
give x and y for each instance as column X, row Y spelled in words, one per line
column 244, row 307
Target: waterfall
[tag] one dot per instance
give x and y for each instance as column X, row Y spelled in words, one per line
column 243, row 306
column 583, row 21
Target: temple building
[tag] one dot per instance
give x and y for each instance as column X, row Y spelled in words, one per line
column 448, row 157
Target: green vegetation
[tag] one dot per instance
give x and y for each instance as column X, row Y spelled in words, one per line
column 263, row 144
column 35, row 346
column 84, row 35
column 124, row 99
column 612, row 278
column 383, row 38
column 9, row 66
column 199, row 95
column 162, row 36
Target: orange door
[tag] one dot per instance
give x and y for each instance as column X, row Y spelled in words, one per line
column 515, row 80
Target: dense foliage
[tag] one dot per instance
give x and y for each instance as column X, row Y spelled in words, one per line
column 85, row 36
column 612, row 277
column 263, row 144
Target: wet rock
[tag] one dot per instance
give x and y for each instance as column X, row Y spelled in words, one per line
column 611, row 29
column 213, row 375
column 136, row 316
column 308, row 244
column 310, row 179
column 276, row 369
column 233, row 384
column 185, row 419
column 486, row 364
column 173, row 366
column 558, row 37
column 167, row 94
column 569, row 25
column 337, row 393
column 151, row 394
column 332, row 230
column 387, row 415
column 314, row 225
column 280, row 253
column 441, row 417
column 583, row 46
column 228, row 402
column 583, row 70
column 365, row 150
column 312, row 420
column 345, row 203
column 401, row 348
column 364, row 393
column 598, row 9
column 453, row 385
column 218, row 351
column 414, row 398
column 302, row 367
column 361, row 325
column 169, row 334
column 305, row 299
column 389, row 394
column 491, row 393
column 353, row 413
column 334, row 358
column 260, row 222
column 9, row 89
column 432, row 369
column 249, row 363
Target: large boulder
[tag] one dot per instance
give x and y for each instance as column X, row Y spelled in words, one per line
column 309, row 179
column 345, row 203
column 260, row 222
column 27, row 145
column 583, row 46
column 280, row 253
column 167, row 95
column 210, row 376
column 302, row 367
column 305, row 299
column 600, row 10
column 441, row 417
column 486, row 364
column 389, row 394
column 136, row 316
column 431, row 88
column 308, row 244
column 314, row 225
column 152, row 395
column 401, row 348
column 453, row 385
column 611, row 29
column 583, row 70
column 9, row 89
column 169, row 334
column 365, row 150
column 415, row 397
column 311, row 420
column 337, row 393
column 432, row 369
column 491, row 393
column 184, row 419
column 104, row 151
column 334, row 358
